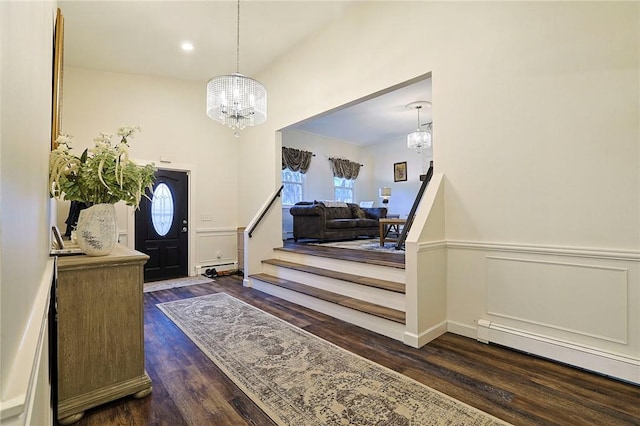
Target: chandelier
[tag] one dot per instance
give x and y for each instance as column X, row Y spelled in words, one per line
column 420, row 138
column 236, row 100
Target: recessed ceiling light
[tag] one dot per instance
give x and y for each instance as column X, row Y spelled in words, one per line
column 187, row 46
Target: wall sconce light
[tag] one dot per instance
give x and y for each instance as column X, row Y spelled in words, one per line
column 385, row 194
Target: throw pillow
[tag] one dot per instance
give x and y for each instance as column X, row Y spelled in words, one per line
column 359, row 213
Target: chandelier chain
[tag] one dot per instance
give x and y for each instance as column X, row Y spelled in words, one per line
column 238, row 40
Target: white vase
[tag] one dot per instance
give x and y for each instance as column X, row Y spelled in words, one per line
column 97, row 230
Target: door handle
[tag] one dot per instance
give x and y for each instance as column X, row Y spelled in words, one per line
column 184, row 229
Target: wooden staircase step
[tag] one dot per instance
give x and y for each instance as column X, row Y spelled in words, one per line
column 390, row 260
column 339, row 299
column 357, row 279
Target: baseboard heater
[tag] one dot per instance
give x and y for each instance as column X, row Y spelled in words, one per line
column 222, row 266
column 617, row 366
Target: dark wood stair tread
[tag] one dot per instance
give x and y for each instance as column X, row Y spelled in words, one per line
column 391, row 260
column 339, row 299
column 365, row 281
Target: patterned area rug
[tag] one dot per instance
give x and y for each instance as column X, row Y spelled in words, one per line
column 300, row 379
column 372, row 244
column 177, row 282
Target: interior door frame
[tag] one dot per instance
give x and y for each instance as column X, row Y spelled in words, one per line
column 189, row 169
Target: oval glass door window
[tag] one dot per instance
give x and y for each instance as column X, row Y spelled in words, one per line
column 162, row 209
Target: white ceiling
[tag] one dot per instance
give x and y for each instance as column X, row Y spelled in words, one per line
column 380, row 119
column 144, row 37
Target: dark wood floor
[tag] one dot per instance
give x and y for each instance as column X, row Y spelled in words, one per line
column 188, row 389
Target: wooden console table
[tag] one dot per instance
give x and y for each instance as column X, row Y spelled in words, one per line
column 100, row 327
column 387, row 225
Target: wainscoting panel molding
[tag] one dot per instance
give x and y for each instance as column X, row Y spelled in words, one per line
column 216, row 247
column 576, row 305
column 586, row 299
column 585, row 252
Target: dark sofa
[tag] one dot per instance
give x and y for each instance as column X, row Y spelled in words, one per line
column 312, row 219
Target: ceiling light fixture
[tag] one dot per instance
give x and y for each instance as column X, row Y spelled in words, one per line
column 420, row 138
column 236, row 100
column 186, row 46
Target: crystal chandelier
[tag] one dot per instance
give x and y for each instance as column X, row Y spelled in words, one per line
column 236, row 100
column 420, row 138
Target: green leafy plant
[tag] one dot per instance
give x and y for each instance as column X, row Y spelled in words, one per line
column 104, row 174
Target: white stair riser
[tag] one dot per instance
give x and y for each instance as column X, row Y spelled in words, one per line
column 378, row 296
column 345, row 266
column 370, row 322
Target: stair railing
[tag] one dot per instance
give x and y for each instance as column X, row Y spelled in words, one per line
column 264, row 212
column 412, row 213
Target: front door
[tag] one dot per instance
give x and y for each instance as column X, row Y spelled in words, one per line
column 162, row 227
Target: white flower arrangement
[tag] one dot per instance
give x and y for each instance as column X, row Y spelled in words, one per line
column 103, row 174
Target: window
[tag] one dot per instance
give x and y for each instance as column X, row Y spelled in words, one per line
column 293, row 184
column 343, row 189
column 162, row 209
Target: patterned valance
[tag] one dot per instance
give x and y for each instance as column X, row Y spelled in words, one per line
column 296, row 159
column 343, row 168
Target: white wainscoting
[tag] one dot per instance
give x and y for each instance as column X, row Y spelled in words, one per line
column 585, row 299
column 27, row 398
column 577, row 306
column 216, row 247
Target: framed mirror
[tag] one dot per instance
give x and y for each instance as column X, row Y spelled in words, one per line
column 58, row 62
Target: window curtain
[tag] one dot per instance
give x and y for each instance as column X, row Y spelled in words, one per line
column 343, row 168
column 296, row 159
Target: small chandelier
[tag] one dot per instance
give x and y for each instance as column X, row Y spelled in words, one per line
column 420, row 138
column 236, row 100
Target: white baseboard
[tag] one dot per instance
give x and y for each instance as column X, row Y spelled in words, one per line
column 419, row 340
column 613, row 365
column 462, row 329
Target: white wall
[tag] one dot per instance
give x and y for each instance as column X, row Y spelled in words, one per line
column 175, row 128
column 403, row 193
column 26, row 34
column 520, row 130
column 537, row 112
